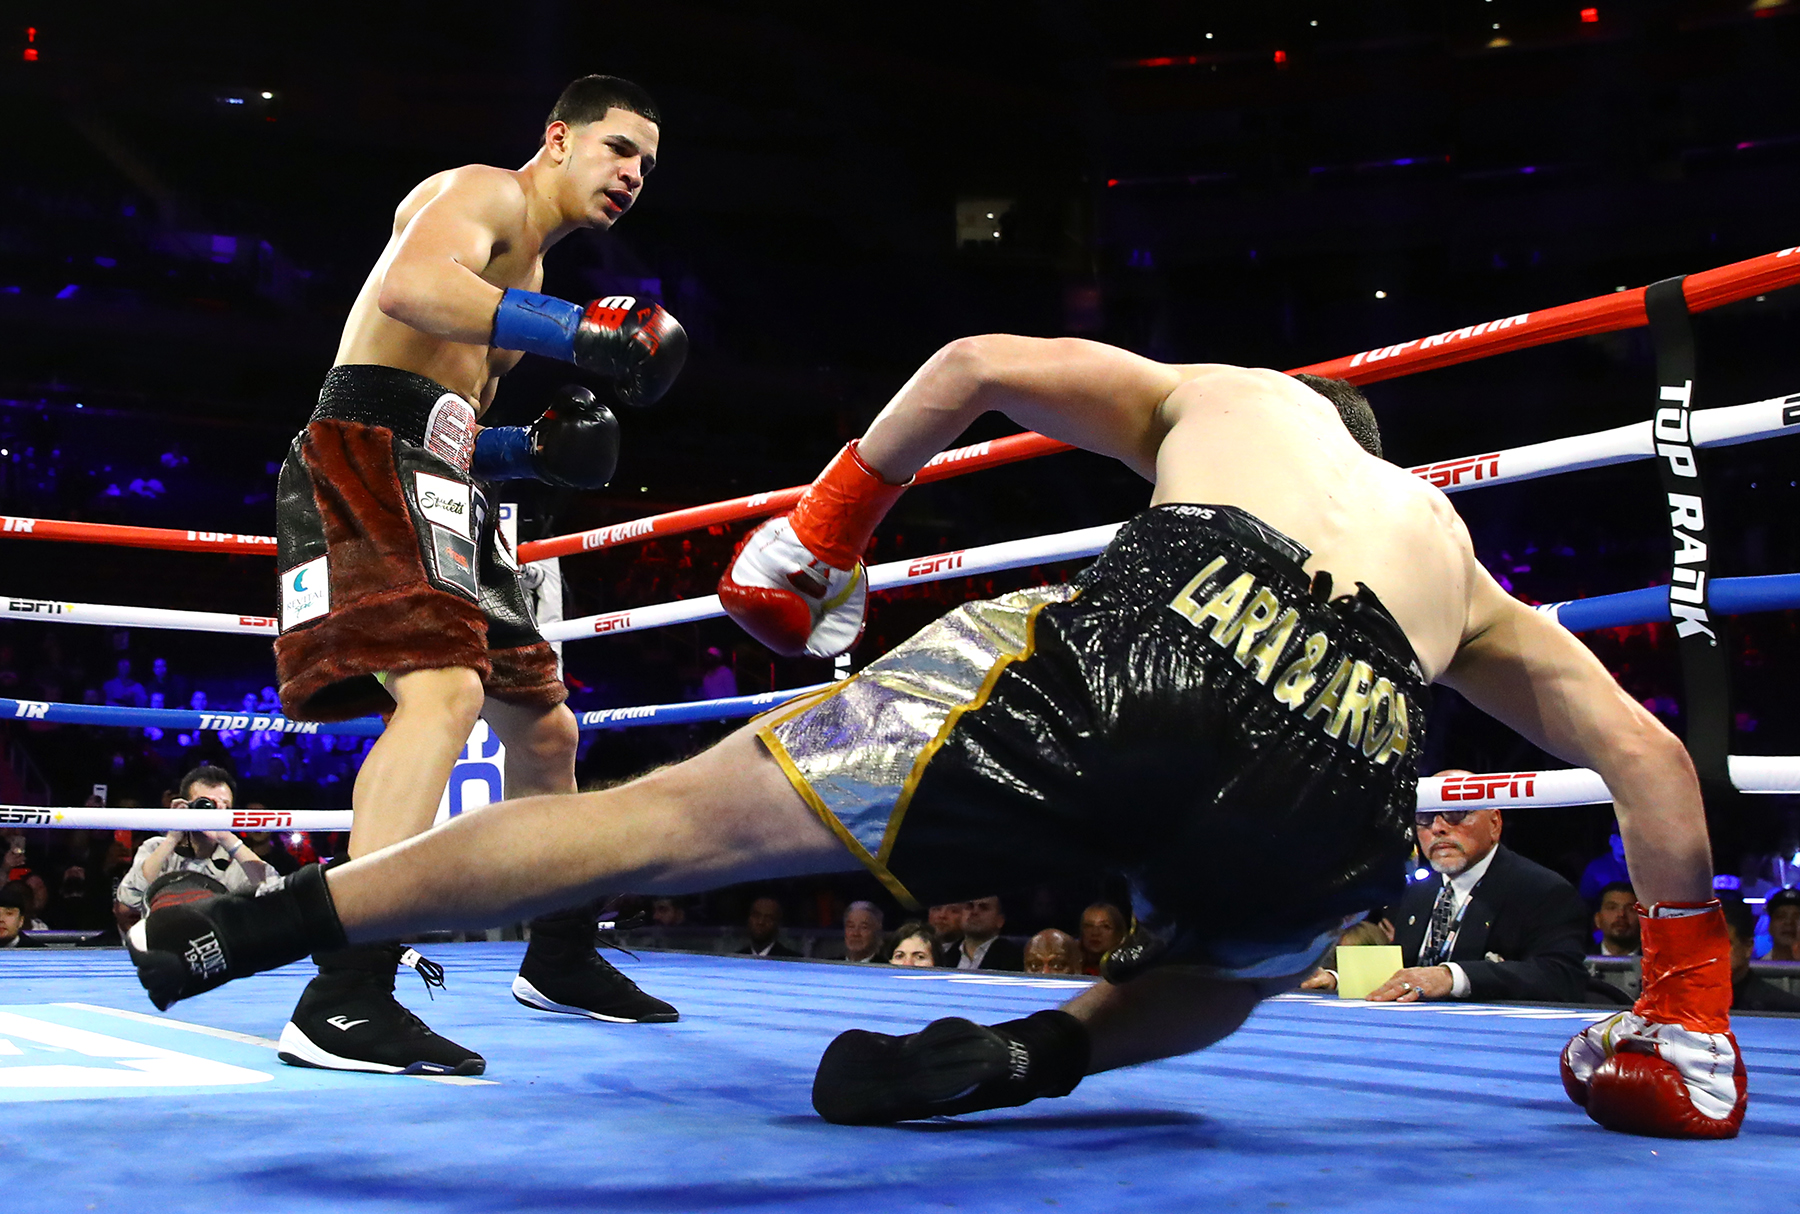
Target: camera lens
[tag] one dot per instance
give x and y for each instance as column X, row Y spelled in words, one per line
column 203, row 803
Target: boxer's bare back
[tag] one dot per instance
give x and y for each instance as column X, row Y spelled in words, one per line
column 464, row 236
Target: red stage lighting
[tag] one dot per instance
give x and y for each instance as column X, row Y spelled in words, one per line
column 1590, row 15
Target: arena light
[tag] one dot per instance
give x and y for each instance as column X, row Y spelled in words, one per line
column 1590, row 16
column 1280, row 56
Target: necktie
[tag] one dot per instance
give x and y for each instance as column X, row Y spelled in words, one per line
column 1437, row 939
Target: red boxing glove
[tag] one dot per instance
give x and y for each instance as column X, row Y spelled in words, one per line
column 797, row 583
column 1670, row 1067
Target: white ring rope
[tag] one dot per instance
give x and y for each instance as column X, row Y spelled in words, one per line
column 1720, row 427
column 1756, row 774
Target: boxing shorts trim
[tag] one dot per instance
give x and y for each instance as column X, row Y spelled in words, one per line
column 856, row 751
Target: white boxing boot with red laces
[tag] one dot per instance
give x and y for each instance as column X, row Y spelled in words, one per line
column 1670, row 1067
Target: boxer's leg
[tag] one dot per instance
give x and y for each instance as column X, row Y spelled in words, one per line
column 540, row 746
column 561, row 971
column 402, row 780
column 726, row 815
column 348, row 1017
column 1160, row 1014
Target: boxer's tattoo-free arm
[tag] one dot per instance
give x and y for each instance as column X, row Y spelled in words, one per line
column 432, row 280
column 1095, row 396
column 1526, row 670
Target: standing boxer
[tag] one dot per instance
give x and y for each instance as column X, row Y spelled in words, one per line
column 400, row 596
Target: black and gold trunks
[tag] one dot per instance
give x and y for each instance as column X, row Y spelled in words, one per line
column 1190, row 712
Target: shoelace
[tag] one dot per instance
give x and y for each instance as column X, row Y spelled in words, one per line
column 425, row 968
column 605, row 931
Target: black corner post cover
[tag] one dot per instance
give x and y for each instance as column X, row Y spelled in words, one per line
column 1700, row 632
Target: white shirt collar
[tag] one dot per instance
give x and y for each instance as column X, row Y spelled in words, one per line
column 1464, row 882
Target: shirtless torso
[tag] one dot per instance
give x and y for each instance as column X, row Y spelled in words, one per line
column 464, row 236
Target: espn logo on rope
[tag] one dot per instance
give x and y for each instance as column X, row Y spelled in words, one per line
column 24, row 815
column 618, row 621
column 1517, row 785
column 1453, row 472
column 263, row 819
column 37, row 607
column 943, row 563
column 305, row 593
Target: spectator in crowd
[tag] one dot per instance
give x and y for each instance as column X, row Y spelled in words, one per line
column 123, row 689
column 1493, row 926
column 1102, row 930
column 161, row 683
column 1052, row 952
column 1748, row 992
column 764, row 923
column 1608, row 869
column 72, row 909
column 862, row 933
column 1617, row 920
column 720, row 680
column 1783, row 909
column 982, row 947
column 269, row 848
column 15, row 906
column 946, row 920
column 39, row 891
column 217, row 854
column 668, row 912
column 915, row 945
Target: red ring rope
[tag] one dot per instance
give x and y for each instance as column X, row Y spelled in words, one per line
column 1603, row 314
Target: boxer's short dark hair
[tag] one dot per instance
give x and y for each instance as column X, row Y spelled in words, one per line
column 206, row 774
column 1353, row 409
column 588, row 99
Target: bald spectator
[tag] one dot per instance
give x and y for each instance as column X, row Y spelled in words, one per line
column 862, row 933
column 1617, row 921
column 1102, row 929
column 982, row 947
column 946, row 922
column 764, row 922
column 1052, row 952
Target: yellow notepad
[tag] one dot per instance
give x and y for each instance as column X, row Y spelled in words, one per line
column 1363, row 967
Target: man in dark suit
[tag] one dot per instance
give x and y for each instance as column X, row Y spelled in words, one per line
column 764, row 922
column 982, row 947
column 1493, row 926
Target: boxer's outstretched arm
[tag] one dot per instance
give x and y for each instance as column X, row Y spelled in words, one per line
column 1528, row 671
column 431, row 279
column 1098, row 397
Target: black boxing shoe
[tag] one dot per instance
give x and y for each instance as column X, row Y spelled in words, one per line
column 561, row 972
column 182, row 949
column 950, row 1066
column 348, row 1019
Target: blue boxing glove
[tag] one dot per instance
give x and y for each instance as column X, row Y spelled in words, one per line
column 574, row 445
column 635, row 343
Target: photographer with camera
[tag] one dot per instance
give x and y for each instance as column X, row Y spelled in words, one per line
column 213, row 860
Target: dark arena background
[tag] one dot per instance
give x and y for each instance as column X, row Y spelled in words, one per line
column 1458, row 204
